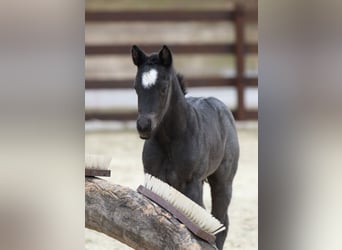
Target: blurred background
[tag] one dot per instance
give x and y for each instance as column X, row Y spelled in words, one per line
column 217, row 54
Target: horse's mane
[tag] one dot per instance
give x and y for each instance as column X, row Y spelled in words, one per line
column 182, row 83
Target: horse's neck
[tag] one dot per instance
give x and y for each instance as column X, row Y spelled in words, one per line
column 175, row 121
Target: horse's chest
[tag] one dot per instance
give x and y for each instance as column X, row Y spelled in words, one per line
column 177, row 171
column 173, row 165
column 182, row 165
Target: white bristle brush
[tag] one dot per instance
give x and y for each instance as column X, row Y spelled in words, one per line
column 196, row 218
column 97, row 165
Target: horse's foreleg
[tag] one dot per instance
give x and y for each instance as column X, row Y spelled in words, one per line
column 194, row 190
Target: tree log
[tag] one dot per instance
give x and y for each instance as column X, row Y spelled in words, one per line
column 133, row 219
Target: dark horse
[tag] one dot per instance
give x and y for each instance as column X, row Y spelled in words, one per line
column 188, row 140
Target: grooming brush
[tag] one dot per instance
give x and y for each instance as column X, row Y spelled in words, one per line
column 97, row 165
column 198, row 220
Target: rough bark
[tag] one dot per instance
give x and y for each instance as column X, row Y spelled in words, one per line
column 133, row 219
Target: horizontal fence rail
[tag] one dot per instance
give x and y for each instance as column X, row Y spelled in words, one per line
column 167, row 16
column 120, row 49
column 239, row 48
column 190, row 82
column 249, row 115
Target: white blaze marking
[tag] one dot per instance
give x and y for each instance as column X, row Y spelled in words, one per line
column 149, row 78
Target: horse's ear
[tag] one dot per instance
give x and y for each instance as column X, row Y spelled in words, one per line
column 165, row 56
column 138, row 55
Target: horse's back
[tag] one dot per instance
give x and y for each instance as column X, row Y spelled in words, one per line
column 210, row 108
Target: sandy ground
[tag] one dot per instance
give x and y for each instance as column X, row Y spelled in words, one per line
column 125, row 147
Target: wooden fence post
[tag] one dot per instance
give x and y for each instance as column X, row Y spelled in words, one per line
column 240, row 59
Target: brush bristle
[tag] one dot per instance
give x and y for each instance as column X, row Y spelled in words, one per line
column 97, row 161
column 195, row 213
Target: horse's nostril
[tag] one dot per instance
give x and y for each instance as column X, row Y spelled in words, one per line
column 144, row 124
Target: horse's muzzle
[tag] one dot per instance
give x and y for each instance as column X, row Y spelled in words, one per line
column 144, row 127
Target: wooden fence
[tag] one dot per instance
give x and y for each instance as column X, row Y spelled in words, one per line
column 239, row 48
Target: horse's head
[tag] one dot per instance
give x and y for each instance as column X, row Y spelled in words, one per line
column 153, row 87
